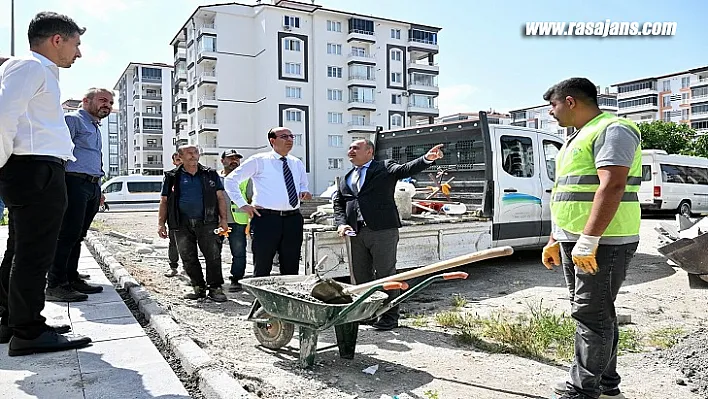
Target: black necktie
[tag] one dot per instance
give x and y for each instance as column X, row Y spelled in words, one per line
column 356, row 177
column 289, row 183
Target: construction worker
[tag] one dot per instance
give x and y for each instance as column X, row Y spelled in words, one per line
column 596, row 216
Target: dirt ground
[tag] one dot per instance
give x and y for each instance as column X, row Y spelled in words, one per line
column 424, row 360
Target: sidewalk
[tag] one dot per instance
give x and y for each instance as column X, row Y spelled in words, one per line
column 122, row 361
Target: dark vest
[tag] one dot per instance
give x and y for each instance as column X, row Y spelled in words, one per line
column 209, row 178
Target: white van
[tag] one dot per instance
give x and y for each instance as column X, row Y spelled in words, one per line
column 674, row 182
column 132, row 192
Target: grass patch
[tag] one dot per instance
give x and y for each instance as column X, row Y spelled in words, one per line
column 459, row 301
column 665, row 338
column 430, row 394
column 98, row 225
column 630, row 341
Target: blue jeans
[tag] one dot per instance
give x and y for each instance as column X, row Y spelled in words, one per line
column 2, row 209
column 237, row 244
column 593, row 307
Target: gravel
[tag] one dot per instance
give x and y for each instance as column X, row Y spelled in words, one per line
column 690, row 356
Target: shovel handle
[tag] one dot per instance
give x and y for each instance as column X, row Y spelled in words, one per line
column 395, row 285
column 454, row 275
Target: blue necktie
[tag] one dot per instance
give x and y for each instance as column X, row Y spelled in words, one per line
column 289, row 183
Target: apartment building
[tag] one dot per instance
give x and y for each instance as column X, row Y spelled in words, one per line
column 538, row 117
column 146, row 134
column 680, row 97
column 493, row 117
column 330, row 76
column 109, row 138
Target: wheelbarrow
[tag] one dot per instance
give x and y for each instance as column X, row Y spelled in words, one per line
column 282, row 303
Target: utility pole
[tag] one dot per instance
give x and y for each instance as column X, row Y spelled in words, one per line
column 12, row 28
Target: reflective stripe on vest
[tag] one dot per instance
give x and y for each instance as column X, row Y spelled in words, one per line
column 577, row 181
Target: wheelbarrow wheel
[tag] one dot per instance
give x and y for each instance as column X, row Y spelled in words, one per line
column 274, row 334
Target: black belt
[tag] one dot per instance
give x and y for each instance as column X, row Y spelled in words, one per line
column 84, row 176
column 279, row 213
column 40, row 158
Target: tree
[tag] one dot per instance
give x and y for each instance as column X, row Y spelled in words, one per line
column 674, row 138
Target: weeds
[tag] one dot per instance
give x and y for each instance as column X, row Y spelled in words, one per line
column 665, row 338
column 629, row 341
column 430, row 394
column 458, row 301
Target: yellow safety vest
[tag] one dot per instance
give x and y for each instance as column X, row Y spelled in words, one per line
column 240, row 216
column 577, row 181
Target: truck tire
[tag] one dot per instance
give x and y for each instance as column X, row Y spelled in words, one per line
column 684, row 208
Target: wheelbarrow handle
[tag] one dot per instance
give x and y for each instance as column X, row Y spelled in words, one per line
column 422, row 285
column 394, row 285
column 454, row 275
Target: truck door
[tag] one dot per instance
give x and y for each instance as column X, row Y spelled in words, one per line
column 549, row 154
column 517, row 216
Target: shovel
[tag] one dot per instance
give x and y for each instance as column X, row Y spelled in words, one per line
column 330, row 291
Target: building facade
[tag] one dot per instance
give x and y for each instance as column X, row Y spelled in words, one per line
column 539, row 118
column 109, row 138
column 493, row 117
column 680, row 97
column 329, row 76
column 146, row 134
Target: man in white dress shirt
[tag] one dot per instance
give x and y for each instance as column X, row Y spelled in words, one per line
column 279, row 183
column 35, row 145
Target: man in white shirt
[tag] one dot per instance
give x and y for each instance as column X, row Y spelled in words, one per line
column 279, row 184
column 35, row 145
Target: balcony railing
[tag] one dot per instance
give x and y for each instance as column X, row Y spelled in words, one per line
column 361, row 32
column 362, row 100
column 356, row 76
column 358, row 54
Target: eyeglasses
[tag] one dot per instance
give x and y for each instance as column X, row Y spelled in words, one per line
column 287, row 136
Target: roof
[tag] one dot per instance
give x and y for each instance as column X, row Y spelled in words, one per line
column 132, row 64
column 694, row 70
column 314, row 9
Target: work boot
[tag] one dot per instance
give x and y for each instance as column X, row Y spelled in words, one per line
column 561, row 388
column 217, row 294
column 6, row 331
column 85, row 288
column 64, row 293
column 171, row 273
column 199, row 292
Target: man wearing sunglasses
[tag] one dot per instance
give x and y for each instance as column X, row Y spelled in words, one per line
column 279, row 184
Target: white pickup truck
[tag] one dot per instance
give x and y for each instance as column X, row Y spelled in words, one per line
column 504, row 174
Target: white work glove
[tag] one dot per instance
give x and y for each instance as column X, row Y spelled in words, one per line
column 584, row 253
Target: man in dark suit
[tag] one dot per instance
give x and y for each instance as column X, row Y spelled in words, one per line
column 364, row 206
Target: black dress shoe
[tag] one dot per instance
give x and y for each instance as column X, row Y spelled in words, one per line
column 385, row 324
column 48, row 341
column 85, row 288
column 84, row 276
column 6, row 331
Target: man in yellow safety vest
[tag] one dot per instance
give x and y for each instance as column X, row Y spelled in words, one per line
column 237, row 220
column 596, row 216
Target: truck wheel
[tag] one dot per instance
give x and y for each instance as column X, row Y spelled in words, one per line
column 684, row 208
column 274, row 334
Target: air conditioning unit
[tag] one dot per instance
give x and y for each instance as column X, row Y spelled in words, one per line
column 405, row 94
column 287, row 27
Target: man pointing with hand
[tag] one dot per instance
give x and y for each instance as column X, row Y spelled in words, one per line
column 364, row 205
column 596, row 217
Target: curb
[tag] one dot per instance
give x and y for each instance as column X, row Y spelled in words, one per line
column 213, row 380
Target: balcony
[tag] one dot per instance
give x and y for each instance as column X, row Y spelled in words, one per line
column 211, row 150
column 422, row 41
column 149, row 147
column 363, row 58
column 638, row 108
column 357, row 126
column 208, row 124
column 150, row 165
column 423, row 109
column 152, row 80
column 701, row 81
column 699, row 99
column 637, row 93
column 422, row 83
column 181, row 75
column 180, row 55
column 207, row 101
column 206, row 53
column 699, row 115
column 209, row 29
column 150, row 114
column 424, row 67
column 360, row 35
column 182, row 116
column 361, row 80
column 207, row 77
column 364, row 104
column 148, row 97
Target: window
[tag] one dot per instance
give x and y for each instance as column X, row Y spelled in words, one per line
column 395, row 98
column 517, row 155
column 358, row 51
column 685, row 82
column 334, row 117
column 114, row 187
column 151, row 74
column 293, row 68
column 637, row 102
column 362, row 72
column 358, row 120
column 395, row 33
column 646, row 172
column 396, row 77
column 334, row 48
column 113, row 159
column 335, row 163
column 396, row 55
column 334, row 72
column 361, row 26
column 421, row 36
column 293, row 22
column 297, row 140
column 334, row 26
column 152, row 124
column 335, row 140
column 334, row 95
column 361, row 95
column 293, row 116
column 293, row 92
column 667, row 116
column 396, row 120
column 145, row 186
column 667, row 85
column 422, row 101
column 550, row 153
column 666, row 100
column 649, row 85
column 292, row 45
column 684, row 98
column 684, row 174
column 684, row 114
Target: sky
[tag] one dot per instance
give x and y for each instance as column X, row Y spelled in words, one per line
column 485, row 60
